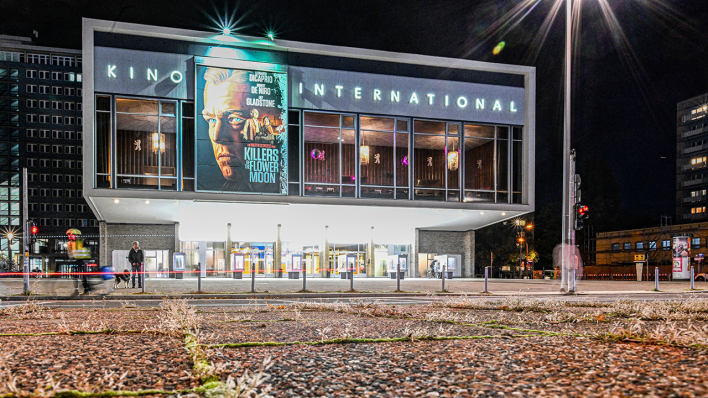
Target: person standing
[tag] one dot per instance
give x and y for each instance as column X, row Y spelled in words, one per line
column 136, row 259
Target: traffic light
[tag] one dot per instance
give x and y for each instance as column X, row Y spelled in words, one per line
column 34, row 230
column 581, row 214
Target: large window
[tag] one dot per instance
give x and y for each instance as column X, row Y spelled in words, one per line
column 146, row 143
column 383, row 157
column 329, row 154
column 436, row 160
column 479, row 163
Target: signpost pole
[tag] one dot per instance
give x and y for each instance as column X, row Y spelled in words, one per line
column 656, row 279
column 486, row 280
column 304, row 278
column 443, row 269
column 692, row 278
column 25, row 234
column 253, row 276
column 398, row 275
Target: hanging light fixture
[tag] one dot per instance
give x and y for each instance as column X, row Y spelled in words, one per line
column 453, row 160
column 158, row 142
column 364, row 152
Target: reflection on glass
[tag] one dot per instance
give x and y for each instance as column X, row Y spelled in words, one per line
column 479, row 163
column 133, row 143
column 453, row 163
column 430, row 161
column 428, row 127
column 348, row 157
column 502, row 169
column 377, row 165
column 402, row 157
column 321, row 119
column 126, row 105
column 376, row 123
column 321, row 157
column 479, row 131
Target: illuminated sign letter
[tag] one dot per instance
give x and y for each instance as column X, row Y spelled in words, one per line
column 300, row 88
column 357, row 92
column 414, row 98
column 176, row 76
column 111, row 69
column 462, row 102
column 497, row 106
column 447, row 100
column 512, row 107
column 131, row 72
column 339, row 90
column 395, row 96
column 377, row 94
column 480, row 103
column 152, row 74
column 319, row 90
column 430, row 98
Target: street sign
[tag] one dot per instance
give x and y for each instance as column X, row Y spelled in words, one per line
column 638, row 257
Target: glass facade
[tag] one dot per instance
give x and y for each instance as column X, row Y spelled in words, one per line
column 146, row 143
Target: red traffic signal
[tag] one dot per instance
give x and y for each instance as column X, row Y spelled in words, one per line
column 34, row 229
column 583, row 210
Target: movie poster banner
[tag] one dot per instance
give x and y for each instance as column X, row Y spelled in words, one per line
column 681, row 255
column 241, row 130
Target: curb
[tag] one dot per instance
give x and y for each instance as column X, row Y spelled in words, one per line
column 342, row 295
column 243, row 296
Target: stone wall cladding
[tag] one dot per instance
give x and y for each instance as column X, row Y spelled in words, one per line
column 150, row 237
column 449, row 242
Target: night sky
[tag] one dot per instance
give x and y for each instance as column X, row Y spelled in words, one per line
column 625, row 88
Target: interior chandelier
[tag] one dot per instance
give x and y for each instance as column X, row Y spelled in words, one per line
column 158, row 142
column 453, row 160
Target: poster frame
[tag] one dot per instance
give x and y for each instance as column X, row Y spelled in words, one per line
column 241, row 65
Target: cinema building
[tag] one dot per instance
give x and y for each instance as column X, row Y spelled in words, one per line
column 245, row 153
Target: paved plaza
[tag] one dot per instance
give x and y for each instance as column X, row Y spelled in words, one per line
column 163, row 286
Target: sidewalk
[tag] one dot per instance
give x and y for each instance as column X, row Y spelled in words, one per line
column 321, row 287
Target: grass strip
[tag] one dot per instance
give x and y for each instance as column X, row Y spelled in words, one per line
column 267, row 320
column 72, row 332
column 640, row 340
column 119, row 393
column 351, row 340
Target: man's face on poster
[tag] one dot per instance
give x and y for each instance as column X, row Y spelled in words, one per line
column 224, row 111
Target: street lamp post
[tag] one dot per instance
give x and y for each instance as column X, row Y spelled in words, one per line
column 10, row 236
column 568, row 175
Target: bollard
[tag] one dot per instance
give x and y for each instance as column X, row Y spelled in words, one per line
column 692, row 279
column 304, row 279
column 656, row 278
column 486, row 280
column 398, row 277
column 199, row 278
column 442, row 268
column 351, row 279
column 142, row 276
column 253, row 278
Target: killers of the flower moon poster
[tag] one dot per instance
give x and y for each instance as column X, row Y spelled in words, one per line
column 241, row 130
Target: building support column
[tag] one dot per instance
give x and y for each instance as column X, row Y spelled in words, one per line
column 202, row 257
column 414, row 267
column 278, row 252
column 227, row 249
column 170, row 261
column 103, row 244
column 371, row 263
column 324, row 254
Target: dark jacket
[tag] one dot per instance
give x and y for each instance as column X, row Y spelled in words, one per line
column 136, row 256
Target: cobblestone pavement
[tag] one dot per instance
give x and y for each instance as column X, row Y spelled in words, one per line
column 459, row 346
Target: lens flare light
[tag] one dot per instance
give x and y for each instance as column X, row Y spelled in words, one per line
column 499, row 48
